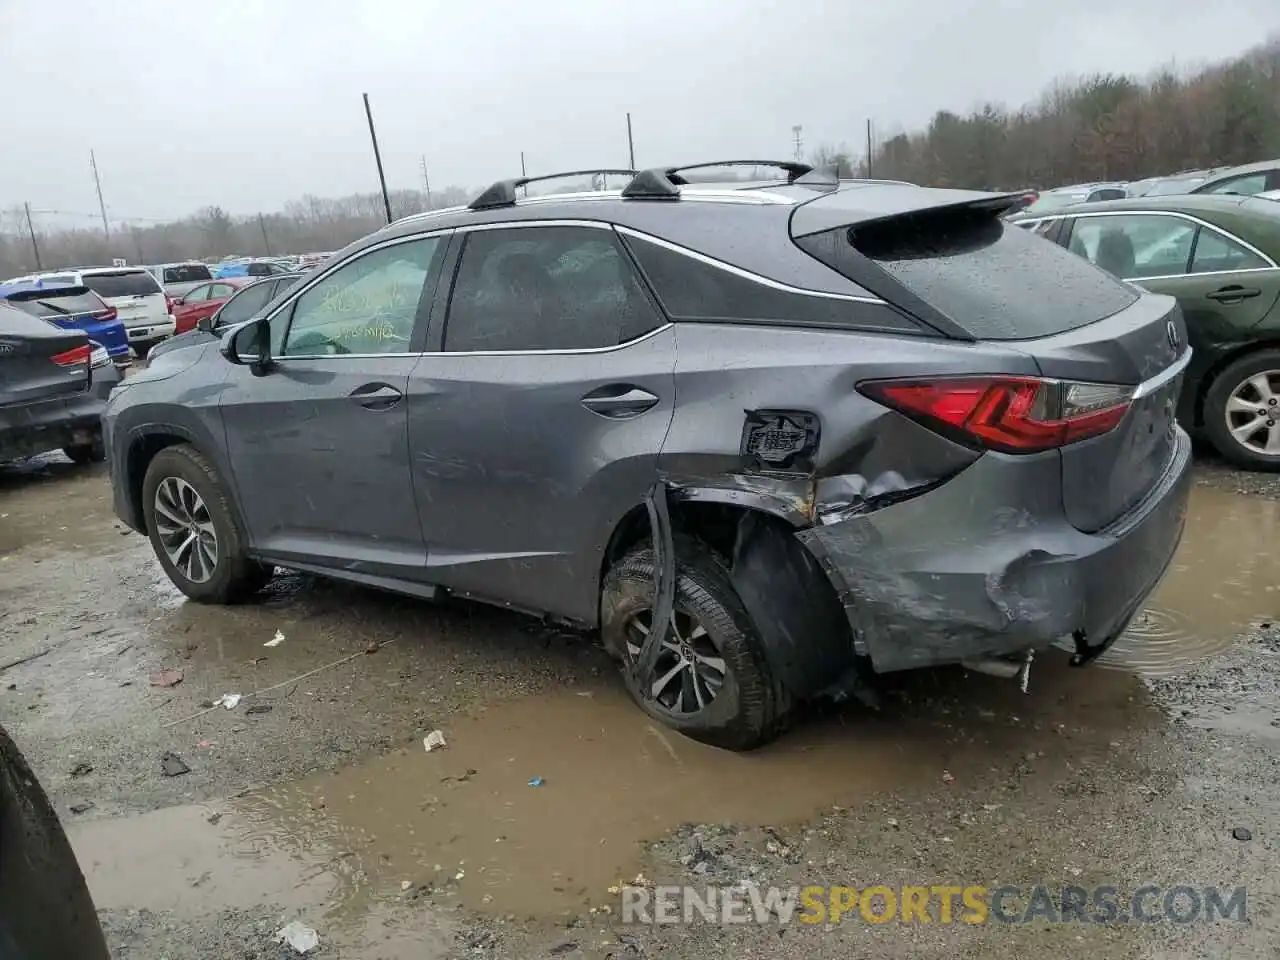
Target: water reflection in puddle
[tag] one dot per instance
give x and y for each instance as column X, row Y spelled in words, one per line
column 1224, row 577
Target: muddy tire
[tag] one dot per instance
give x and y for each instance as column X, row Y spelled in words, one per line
column 724, row 695
column 83, row 453
column 1234, row 386
column 193, row 529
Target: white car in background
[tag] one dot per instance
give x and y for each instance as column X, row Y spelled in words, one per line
column 139, row 301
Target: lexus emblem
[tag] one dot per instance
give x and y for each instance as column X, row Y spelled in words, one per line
column 1171, row 330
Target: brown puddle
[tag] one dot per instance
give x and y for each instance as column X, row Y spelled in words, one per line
column 466, row 819
column 1224, row 577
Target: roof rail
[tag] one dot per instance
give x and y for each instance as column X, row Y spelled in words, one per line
column 663, row 183
column 503, row 193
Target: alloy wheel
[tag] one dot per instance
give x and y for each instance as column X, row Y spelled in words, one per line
column 185, row 529
column 1253, row 413
column 689, row 672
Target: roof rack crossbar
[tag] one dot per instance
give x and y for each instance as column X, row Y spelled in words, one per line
column 503, row 193
column 663, row 183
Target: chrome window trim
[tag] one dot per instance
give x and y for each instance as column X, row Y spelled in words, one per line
column 1182, row 216
column 1150, row 386
column 744, row 274
column 575, row 351
column 521, row 224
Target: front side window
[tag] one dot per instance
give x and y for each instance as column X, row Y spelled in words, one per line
column 244, row 304
column 198, row 295
column 370, row 305
column 545, row 288
column 1216, row 253
column 1135, row 247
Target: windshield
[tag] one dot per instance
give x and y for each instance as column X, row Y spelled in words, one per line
column 133, row 283
column 187, row 273
column 1168, row 188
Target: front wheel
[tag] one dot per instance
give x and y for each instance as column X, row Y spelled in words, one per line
column 1242, row 411
column 712, row 681
column 193, row 530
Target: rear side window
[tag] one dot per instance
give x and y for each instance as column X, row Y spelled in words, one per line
column 1216, row 253
column 135, row 283
column 545, row 288
column 187, row 273
column 991, row 279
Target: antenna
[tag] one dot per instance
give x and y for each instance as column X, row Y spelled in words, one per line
column 97, row 182
column 799, row 142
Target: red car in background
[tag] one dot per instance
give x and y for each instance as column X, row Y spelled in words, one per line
column 204, row 301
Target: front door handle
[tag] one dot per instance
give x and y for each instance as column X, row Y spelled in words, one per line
column 1233, row 293
column 619, row 401
column 376, row 396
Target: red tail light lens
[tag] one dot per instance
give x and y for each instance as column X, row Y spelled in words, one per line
column 1012, row 414
column 110, row 313
column 73, row 356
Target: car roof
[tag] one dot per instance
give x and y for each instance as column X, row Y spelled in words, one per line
column 93, row 271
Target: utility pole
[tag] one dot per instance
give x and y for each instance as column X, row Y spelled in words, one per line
column 426, row 181
column 377, row 156
column 799, row 144
column 631, row 143
column 522, row 171
column 93, row 162
column 31, row 227
column 262, row 225
column 870, row 151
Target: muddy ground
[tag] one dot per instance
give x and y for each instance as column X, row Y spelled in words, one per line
column 313, row 799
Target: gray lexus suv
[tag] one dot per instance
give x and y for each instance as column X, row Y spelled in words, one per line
column 771, row 441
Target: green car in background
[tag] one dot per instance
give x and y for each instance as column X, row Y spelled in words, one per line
column 1218, row 255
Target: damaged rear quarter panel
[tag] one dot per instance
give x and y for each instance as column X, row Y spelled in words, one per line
column 726, row 374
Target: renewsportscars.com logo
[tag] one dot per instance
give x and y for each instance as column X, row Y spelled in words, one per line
column 933, row 904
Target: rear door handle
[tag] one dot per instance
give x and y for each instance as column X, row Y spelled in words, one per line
column 376, row 396
column 619, row 401
column 1232, row 293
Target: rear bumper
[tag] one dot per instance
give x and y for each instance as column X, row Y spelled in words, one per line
column 987, row 564
column 151, row 332
column 32, row 428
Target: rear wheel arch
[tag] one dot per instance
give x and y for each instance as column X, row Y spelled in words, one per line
column 1221, row 364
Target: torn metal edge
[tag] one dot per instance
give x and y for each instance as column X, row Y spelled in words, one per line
column 664, row 585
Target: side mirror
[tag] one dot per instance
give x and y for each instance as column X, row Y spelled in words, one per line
column 249, row 343
column 205, row 324
column 178, row 301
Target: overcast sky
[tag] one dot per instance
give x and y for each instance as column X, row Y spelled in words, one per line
column 250, row 103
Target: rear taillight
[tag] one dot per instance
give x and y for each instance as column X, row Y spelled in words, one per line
column 109, row 313
column 72, row 357
column 1013, row 414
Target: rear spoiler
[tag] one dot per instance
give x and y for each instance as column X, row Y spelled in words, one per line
column 26, row 291
column 880, row 205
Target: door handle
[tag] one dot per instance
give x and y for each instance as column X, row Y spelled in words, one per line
column 1233, row 293
column 619, row 401
column 376, row 396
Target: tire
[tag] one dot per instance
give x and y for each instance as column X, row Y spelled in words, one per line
column 233, row 575
column 142, row 349
column 745, row 711
column 1225, row 385
column 84, row 453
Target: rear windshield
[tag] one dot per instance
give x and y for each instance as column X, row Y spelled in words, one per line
column 993, row 280
column 135, row 283
column 55, row 305
column 187, row 273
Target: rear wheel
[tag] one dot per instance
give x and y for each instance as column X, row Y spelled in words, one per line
column 142, row 349
column 93, row 452
column 712, row 681
column 193, row 530
column 1242, row 411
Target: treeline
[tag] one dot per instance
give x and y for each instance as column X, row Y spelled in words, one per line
column 309, row 225
column 1103, row 127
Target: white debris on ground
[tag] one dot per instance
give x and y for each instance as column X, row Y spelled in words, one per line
column 433, row 741
column 276, row 640
column 299, row 936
